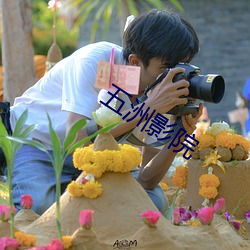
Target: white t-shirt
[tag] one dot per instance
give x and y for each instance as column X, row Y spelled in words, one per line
column 68, row 86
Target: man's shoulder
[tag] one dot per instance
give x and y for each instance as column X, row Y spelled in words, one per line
column 98, row 51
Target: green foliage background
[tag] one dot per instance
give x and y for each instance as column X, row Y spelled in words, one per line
column 42, row 19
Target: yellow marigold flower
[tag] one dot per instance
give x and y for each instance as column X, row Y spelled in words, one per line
column 83, row 156
column 180, row 177
column 99, row 158
column 193, row 223
column 92, row 189
column 97, row 162
column 75, row 189
column 206, row 140
column 67, row 242
column 114, row 160
column 93, row 169
column 27, row 240
column 131, row 157
column 209, row 180
column 225, row 139
column 164, row 186
column 208, row 192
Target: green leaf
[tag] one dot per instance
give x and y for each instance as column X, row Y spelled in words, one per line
column 20, row 123
column 71, row 136
column 172, row 207
column 32, row 143
column 238, row 205
column 5, row 144
column 23, row 134
column 85, row 140
column 56, row 147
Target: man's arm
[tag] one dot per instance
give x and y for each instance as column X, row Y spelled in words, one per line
column 152, row 172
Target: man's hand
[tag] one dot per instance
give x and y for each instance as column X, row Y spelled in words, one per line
column 189, row 121
column 168, row 94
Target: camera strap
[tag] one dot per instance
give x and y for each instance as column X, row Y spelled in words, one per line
column 131, row 138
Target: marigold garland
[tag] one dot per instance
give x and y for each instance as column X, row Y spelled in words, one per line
column 208, row 192
column 224, row 138
column 95, row 163
column 208, row 186
column 180, row 177
column 98, row 162
column 206, row 141
column 24, row 239
column 209, row 180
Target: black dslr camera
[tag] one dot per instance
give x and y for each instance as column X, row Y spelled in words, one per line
column 209, row 88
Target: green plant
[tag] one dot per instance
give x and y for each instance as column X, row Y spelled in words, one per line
column 60, row 152
column 42, row 19
column 10, row 148
column 102, row 11
column 4, row 197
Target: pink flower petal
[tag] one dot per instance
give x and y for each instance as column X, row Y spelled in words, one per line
column 150, row 217
column 86, row 218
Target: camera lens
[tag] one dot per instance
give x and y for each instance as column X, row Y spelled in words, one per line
column 209, row 88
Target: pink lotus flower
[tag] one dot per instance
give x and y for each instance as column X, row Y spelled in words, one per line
column 176, row 217
column 54, row 4
column 26, row 201
column 5, row 212
column 150, row 217
column 206, row 215
column 8, row 243
column 86, row 218
column 219, row 206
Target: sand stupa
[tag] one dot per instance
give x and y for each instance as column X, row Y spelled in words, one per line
column 117, row 224
column 227, row 154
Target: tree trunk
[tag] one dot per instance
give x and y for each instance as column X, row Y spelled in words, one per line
column 17, row 48
column 124, row 15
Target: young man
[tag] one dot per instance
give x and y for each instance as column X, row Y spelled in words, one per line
column 154, row 41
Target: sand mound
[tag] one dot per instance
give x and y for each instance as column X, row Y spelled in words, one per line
column 235, row 183
column 117, row 223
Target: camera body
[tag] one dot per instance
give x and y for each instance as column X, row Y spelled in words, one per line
column 209, row 88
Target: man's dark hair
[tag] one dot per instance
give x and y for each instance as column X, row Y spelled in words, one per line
column 162, row 34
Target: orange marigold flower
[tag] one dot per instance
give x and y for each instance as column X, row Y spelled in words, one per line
column 208, row 192
column 180, row 177
column 206, row 141
column 209, row 180
column 243, row 141
column 225, row 139
column 24, row 239
column 67, row 242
